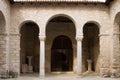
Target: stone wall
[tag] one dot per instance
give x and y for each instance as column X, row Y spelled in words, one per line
column 115, row 21
column 54, row 30
column 17, row 14
column 79, row 14
column 4, row 33
column 14, row 57
column 3, row 54
column 105, row 56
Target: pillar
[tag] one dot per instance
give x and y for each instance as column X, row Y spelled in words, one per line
column 89, row 65
column 4, row 52
column 79, row 54
column 14, row 54
column 115, row 71
column 104, row 56
column 42, row 56
column 30, row 67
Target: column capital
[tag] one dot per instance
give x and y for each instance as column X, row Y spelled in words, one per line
column 79, row 37
column 42, row 38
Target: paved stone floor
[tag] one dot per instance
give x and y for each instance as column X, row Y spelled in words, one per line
column 60, row 77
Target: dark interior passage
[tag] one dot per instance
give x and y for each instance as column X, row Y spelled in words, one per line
column 91, row 46
column 60, row 42
column 62, row 54
column 30, row 45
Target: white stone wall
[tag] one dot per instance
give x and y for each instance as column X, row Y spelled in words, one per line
column 102, row 15
column 4, row 35
column 115, row 21
column 79, row 14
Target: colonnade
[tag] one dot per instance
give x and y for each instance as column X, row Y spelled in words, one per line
column 42, row 55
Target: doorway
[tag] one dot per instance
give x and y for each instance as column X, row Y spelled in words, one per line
column 91, row 47
column 29, row 47
column 60, row 28
column 62, row 54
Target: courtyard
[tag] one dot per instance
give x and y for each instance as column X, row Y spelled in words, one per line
column 60, row 77
column 60, row 39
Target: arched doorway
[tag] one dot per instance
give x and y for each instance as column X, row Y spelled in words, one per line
column 29, row 47
column 60, row 28
column 62, row 54
column 91, row 47
column 2, row 43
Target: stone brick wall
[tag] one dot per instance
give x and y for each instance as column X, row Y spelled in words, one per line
column 3, row 53
column 14, row 57
column 16, row 15
column 115, row 56
column 4, row 32
column 105, row 55
column 79, row 14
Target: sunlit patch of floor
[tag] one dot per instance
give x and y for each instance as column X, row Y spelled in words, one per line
column 61, row 76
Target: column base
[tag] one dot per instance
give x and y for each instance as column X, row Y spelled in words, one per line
column 80, row 76
column 42, row 76
column 90, row 73
column 30, row 69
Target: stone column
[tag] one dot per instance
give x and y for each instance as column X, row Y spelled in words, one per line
column 89, row 65
column 104, row 56
column 14, row 53
column 4, row 52
column 42, row 56
column 115, row 71
column 79, row 54
column 30, row 67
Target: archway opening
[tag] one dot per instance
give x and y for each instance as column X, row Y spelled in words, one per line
column 2, row 23
column 117, row 24
column 2, row 43
column 30, row 48
column 60, row 52
column 91, row 48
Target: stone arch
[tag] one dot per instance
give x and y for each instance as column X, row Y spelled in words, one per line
column 66, row 38
column 3, row 63
column 61, row 15
column 116, row 23
column 29, row 46
column 91, row 47
column 27, row 21
column 94, row 22
column 64, row 15
column 59, row 25
column 62, row 54
column 115, row 16
column 2, row 22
